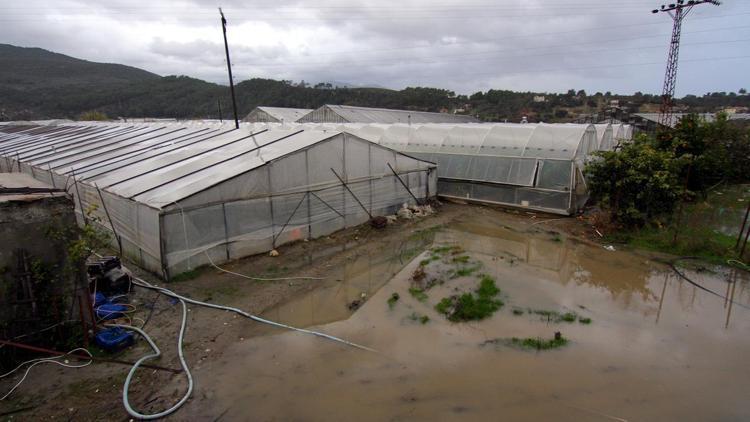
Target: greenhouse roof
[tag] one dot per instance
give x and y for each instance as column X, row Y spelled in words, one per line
column 155, row 164
column 284, row 114
column 556, row 141
column 383, row 115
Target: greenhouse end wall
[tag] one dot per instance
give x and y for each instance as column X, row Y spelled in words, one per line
column 296, row 197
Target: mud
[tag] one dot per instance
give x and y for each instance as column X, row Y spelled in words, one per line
column 657, row 348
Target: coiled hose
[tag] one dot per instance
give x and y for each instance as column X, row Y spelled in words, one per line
column 183, row 324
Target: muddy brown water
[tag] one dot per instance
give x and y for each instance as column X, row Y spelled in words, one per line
column 658, row 348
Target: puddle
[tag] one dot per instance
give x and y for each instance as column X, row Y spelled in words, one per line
column 657, row 348
column 357, row 280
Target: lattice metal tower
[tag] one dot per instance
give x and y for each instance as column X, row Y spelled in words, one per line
column 678, row 11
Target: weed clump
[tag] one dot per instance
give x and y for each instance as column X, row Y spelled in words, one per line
column 569, row 317
column 472, row 306
column 422, row 319
column 537, row 343
column 418, row 294
column 393, row 299
column 487, row 287
column 517, row 311
column 462, row 259
column 452, row 249
column 464, row 271
column 557, row 317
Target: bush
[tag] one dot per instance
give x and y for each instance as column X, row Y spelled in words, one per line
column 645, row 178
column 636, row 182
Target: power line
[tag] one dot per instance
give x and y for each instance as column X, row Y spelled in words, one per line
column 422, row 59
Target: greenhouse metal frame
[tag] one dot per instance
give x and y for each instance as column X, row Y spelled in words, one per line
column 177, row 196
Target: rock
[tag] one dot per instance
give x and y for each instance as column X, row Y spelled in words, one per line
column 273, row 252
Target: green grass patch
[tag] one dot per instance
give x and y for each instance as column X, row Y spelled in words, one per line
column 487, row 286
column 569, row 317
column 693, row 240
column 422, row 319
column 464, row 271
column 393, row 299
column 472, row 306
column 537, row 343
column 442, row 250
column 418, row 294
column 425, row 262
column 584, row 320
column 426, row 234
column 556, row 317
column 462, row 259
column 187, row 275
column 702, row 229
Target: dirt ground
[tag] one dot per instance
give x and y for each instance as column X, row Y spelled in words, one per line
column 353, row 265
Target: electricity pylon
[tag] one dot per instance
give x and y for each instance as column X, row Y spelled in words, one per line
column 678, row 11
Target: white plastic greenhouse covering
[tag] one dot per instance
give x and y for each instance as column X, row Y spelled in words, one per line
column 534, row 166
column 177, row 193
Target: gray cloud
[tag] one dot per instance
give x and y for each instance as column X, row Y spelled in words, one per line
column 460, row 45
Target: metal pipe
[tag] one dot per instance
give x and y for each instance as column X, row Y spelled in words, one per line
column 352, row 193
column 742, row 229
column 404, row 184
column 111, row 223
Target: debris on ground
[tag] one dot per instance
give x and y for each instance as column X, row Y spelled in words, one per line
column 408, row 212
column 378, row 222
column 273, row 252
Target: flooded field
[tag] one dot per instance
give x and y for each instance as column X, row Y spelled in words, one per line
column 642, row 343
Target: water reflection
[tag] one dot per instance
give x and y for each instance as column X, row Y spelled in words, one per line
column 586, row 275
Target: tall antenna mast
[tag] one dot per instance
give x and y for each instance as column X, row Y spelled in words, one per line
column 229, row 69
column 677, row 11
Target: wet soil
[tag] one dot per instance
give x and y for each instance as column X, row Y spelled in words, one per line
column 657, row 348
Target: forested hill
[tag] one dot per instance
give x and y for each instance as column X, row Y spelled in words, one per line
column 38, row 84
column 32, row 68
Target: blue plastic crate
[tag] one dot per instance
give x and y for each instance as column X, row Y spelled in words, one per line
column 114, row 339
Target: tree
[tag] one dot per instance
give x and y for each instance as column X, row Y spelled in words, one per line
column 742, row 91
column 93, row 116
column 634, row 183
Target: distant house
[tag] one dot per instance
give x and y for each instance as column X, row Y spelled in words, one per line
column 275, row 114
column 735, row 110
column 540, row 98
column 350, row 114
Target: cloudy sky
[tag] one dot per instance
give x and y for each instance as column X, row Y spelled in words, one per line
column 463, row 45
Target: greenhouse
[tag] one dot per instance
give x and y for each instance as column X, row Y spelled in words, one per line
column 177, row 196
column 532, row 166
column 349, row 114
column 605, row 136
column 275, row 114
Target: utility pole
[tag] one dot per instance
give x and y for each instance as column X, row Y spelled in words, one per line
column 677, row 11
column 229, row 69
